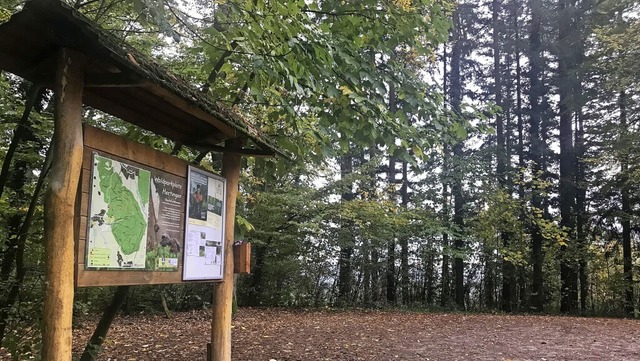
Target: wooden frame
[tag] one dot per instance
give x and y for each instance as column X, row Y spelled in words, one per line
column 111, row 144
column 96, row 140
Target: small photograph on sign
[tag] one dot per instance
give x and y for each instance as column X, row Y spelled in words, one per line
column 167, row 263
column 213, row 252
column 198, row 188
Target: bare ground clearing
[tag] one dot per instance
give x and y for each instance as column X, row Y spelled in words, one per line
column 277, row 334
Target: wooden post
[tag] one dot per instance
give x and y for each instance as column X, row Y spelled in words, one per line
column 223, row 291
column 59, row 207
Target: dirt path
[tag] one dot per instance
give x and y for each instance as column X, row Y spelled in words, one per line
column 271, row 334
column 409, row 336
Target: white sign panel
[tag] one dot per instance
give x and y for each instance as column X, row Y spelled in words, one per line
column 204, row 226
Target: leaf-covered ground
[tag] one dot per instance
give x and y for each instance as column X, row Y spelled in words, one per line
column 276, row 334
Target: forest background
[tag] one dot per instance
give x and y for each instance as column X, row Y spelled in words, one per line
column 478, row 155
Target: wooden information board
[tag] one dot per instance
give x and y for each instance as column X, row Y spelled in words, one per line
column 149, row 230
column 131, row 220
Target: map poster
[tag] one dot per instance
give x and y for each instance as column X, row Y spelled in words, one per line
column 204, row 229
column 135, row 216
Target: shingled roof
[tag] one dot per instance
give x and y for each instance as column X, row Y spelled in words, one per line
column 119, row 80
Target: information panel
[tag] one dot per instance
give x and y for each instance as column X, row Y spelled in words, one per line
column 204, row 226
column 135, row 218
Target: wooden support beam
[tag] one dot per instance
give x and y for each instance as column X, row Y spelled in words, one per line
column 42, row 72
column 143, row 117
column 223, row 291
column 191, row 108
column 60, row 207
column 115, row 80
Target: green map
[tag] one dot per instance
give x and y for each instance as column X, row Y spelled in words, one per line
column 119, row 209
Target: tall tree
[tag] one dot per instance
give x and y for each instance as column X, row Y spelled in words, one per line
column 567, row 67
column 456, row 188
column 627, row 258
column 404, row 239
column 581, row 211
column 584, row 26
column 444, row 179
column 618, row 36
column 520, row 125
column 346, row 236
column 536, row 91
column 501, row 150
column 391, row 243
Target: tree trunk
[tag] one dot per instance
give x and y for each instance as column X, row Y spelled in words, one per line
column 521, row 153
column 456, row 189
column 94, row 345
column 582, row 33
column 430, row 277
column 223, row 291
column 446, row 278
column 391, row 246
column 390, row 273
column 366, row 274
column 22, row 235
column 60, row 199
column 567, row 104
column 261, row 252
column 522, row 284
column 375, row 277
column 165, row 305
column 446, row 281
column 458, row 220
column 627, row 257
column 15, row 180
column 489, row 280
column 346, row 240
column 501, row 159
column 581, row 214
column 404, row 241
column 23, row 132
column 536, row 153
column 257, row 273
column 371, row 250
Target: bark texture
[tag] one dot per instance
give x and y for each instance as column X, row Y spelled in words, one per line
column 60, row 207
column 223, row 291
